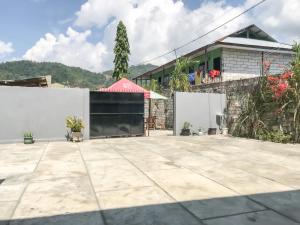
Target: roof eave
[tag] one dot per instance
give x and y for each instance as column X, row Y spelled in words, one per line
column 255, row 47
column 168, row 64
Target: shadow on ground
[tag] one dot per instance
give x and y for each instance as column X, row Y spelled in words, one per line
column 279, row 208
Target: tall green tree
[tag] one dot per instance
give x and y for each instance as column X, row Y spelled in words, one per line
column 122, row 52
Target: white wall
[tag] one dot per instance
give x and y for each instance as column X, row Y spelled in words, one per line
column 41, row 111
column 241, row 64
column 199, row 109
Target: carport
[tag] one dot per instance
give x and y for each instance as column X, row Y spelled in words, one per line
column 119, row 110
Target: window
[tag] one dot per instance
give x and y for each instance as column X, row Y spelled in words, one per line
column 202, row 66
column 159, row 80
column 166, row 80
column 191, row 69
column 217, row 63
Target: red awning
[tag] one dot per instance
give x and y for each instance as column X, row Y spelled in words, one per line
column 126, row 86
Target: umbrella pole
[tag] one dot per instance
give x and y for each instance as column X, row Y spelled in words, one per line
column 149, row 115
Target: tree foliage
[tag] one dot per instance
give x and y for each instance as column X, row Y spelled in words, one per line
column 69, row 76
column 122, row 52
column 179, row 80
column 152, row 86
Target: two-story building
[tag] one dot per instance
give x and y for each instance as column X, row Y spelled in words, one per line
column 239, row 55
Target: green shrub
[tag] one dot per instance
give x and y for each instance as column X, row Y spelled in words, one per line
column 74, row 123
column 28, row 135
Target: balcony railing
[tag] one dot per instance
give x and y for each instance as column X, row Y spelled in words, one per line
column 204, row 79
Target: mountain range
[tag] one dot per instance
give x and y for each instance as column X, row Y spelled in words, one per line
column 66, row 75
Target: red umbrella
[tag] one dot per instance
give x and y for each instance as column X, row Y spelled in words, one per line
column 126, row 86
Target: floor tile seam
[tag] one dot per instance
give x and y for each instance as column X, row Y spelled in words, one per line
column 124, row 189
column 29, row 182
column 165, row 191
column 92, row 186
column 235, row 214
column 57, row 178
column 271, row 209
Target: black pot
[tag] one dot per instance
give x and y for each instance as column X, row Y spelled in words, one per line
column 212, row 131
column 185, row 132
column 28, row 140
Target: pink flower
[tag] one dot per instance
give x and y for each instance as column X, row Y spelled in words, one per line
column 214, row 73
column 266, row 66
column 286, row 75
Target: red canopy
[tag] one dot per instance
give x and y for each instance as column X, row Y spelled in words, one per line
column 126, row 86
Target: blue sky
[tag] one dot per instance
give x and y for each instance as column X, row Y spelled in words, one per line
column 23, row 22
column 81, row 32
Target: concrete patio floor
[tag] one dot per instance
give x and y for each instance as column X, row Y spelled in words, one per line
column 158, row 180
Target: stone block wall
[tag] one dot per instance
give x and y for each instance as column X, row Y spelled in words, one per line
column 242, row 64
column 158, row 110
column 278, row 62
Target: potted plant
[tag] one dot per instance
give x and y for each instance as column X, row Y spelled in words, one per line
column 28, row 138
column 76, row 125
column 186, row 131
column 225, row 131
column 200, row 131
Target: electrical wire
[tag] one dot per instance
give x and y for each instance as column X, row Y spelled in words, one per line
column 207, row 33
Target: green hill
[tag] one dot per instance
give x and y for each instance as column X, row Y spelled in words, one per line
column 71, row 76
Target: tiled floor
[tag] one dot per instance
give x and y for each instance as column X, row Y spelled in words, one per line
column 156, row 180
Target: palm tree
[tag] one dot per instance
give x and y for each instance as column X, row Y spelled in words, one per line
column 179, row 80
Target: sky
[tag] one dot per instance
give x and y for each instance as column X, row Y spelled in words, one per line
column 81, row 32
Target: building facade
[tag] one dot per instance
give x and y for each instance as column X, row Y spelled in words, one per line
column 240, row 55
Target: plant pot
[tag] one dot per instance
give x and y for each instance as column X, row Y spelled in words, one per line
column 185, row 132
column 225, row 131
column 212, row 131
column 77, row 136
column 28, row 140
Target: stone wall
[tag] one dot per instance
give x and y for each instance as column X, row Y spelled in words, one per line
column 243, row 64
column 158, row 110
column 278, row 61
column 162, row 109
column 240, row 64
column 234, row 90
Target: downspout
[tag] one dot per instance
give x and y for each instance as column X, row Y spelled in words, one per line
column 262, row 64
column 221, row 65
column 163, row 76
column 206, row 63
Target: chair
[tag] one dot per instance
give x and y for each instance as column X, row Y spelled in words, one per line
column 151, row 122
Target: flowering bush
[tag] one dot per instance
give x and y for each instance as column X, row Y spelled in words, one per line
column 279, row 84
column 271, row 111
column 214, row 73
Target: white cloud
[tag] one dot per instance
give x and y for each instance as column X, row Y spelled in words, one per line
column 5, row 48
column 158, row 26
column 278, row 18
column 72, row 49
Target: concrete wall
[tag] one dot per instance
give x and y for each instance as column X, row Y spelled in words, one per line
column 41, row 111
column 242, row 64
column 233, row 89
column 199, row 109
